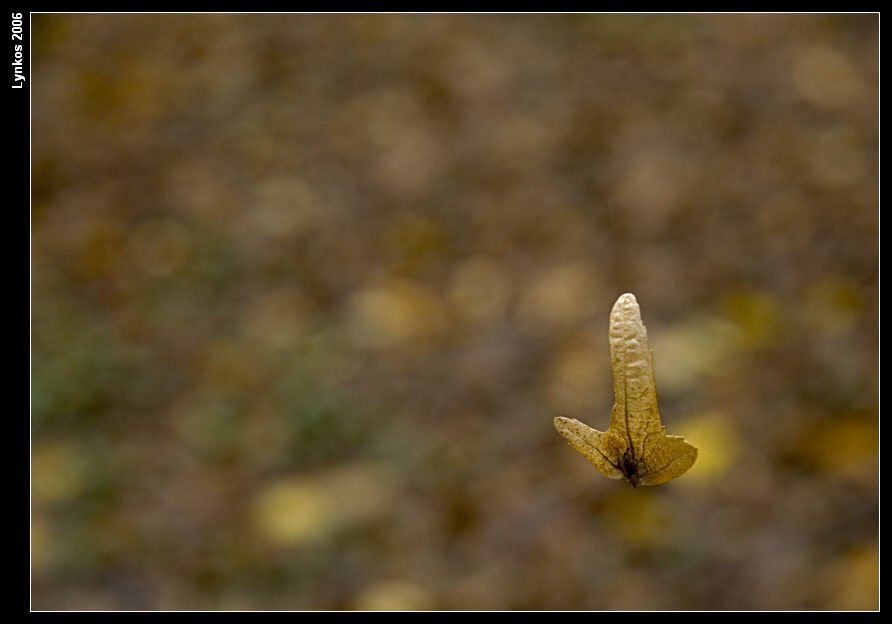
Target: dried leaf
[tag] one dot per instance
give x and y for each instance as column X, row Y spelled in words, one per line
column 635, row 446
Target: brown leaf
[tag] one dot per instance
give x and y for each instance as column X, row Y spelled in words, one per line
column 635, row 446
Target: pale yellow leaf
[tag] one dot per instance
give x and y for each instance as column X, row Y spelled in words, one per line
column 635, row 446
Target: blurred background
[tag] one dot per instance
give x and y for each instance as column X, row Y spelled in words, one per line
column 308, row 290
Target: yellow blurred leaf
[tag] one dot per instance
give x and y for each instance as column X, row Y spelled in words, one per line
column 301, row 509
column 718, row 443
column 58, row 472
column 41, row 544
column 395, row 595
column 292, row 512
column 852, row 580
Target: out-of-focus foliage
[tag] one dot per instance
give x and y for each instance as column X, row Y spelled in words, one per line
column 308, row 291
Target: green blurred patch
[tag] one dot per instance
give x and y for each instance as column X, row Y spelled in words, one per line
column 73, row 489
column 324, row 427
column 78, row 369
column 294, row 423
column 210, row 424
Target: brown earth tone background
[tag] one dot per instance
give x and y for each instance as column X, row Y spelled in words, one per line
column 308, row 291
